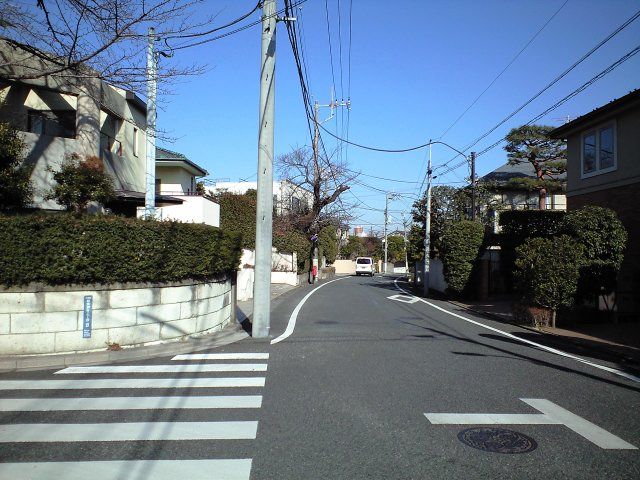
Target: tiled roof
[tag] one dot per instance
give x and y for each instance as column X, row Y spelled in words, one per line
column 521, row 170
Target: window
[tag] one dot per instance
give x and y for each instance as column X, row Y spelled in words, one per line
column 598, row 151
column 135, row 141
column 363, row 261
column 158, row 186
column 55, row 123
column 295, row 205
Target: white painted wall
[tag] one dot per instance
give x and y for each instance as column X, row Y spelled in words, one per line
column 174, row 180
column 195, row 209
column 45, row 322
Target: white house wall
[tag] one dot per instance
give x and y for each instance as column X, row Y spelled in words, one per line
column 174, row 180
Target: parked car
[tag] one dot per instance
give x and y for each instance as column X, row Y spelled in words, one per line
column 365, row 266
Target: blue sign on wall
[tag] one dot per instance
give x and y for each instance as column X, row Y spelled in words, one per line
column 86, row 316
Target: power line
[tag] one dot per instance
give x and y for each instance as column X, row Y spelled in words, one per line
column 575, row 92
column 557, row 79
column 213, row 30
column 504, row 69
column 232, row 32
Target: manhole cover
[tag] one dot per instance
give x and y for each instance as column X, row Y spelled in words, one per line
column 497, row 440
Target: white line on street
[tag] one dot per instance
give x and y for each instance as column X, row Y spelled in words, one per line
column 294, row 315
column 122, row 432
column 126, row 383
column 128, row 403
column 489, row 419
column 134, row 469
column 582, row 427
column 552, row 414
column 615, row 371
column 222, row 356
column 175, row 368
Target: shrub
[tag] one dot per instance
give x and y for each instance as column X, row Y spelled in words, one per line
column 65, row 249
column 547, row 271
column 328, row 243
column 461, row 242
column 16, row 190
column 604, row 238
column 81, row 182
column 294, row 241
column 238, row 214
column 517, row 226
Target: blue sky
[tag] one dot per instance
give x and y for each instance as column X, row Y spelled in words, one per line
column 416, row 65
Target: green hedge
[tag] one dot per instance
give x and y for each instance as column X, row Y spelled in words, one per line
column 461, row 242
column 60, row 249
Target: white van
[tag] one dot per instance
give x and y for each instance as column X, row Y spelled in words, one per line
column 364, row 266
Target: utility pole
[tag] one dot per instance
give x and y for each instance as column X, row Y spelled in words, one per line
column 406, row 250
column 427, row 229
column 473, row 186
column 152, row 87
column 387, row 196
column 264, row 209
column 316, row 168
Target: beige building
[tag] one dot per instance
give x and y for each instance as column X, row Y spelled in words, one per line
column 177, row 179
column 603, row 168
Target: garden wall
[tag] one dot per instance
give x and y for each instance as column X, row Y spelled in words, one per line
column 49, row 320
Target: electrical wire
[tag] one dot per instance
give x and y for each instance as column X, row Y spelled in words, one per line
column 575, row 92
column 213, row 30
column 232, row 32
column 504, row 69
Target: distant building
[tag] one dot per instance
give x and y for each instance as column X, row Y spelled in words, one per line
column 506, row 196
column 603, row 168
column 287, row 196
column 176, row 177
column 359, row 231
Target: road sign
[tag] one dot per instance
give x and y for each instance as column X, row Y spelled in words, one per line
column 552, row 414
column 86, row 316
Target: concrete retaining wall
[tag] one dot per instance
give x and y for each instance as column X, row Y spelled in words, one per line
column 51, row 320
column 345, row 266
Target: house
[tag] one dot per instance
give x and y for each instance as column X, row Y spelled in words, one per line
column 603, row 168
column 287, row 196
column 79, row 114
column 176, row 177
column 501, row 184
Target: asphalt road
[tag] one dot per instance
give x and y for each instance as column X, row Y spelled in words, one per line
column 344, row 397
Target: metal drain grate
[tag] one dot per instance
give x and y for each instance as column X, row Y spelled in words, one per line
column 497, row 440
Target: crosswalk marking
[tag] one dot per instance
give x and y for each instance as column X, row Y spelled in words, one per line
column 175, row 368
column 135, row 469
column 120, row 432
column 128, row 403
column 222, row 356
column 126, row 383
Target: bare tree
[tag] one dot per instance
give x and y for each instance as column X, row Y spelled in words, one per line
column 101, row 39
column 326, row 177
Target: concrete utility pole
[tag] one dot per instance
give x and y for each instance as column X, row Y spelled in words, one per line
column 427, row 229
column 152, row 87
column 473, row 186
column 387, row 196
column 264, row 209
column 406, row 251
column 316, row 167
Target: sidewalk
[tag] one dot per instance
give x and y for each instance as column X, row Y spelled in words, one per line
column 244, row 309
column 612, row 342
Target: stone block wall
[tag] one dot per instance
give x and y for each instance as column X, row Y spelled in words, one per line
column 50, row 320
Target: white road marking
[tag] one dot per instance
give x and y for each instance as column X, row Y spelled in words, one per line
column 122, row 432
column 403, row 298
column 489, row 419
column 134, row 469
column 126, row 383
column 128, row 403
column 222, row 356
column 175, row 368
column 294, row 315
column 582, row 427
column 615, row 371
column 552, row 414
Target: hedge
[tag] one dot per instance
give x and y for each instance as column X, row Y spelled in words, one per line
column 461, row 242
column 58, row 249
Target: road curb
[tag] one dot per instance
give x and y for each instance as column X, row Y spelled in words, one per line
column 612, row 351
column 231, row 334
